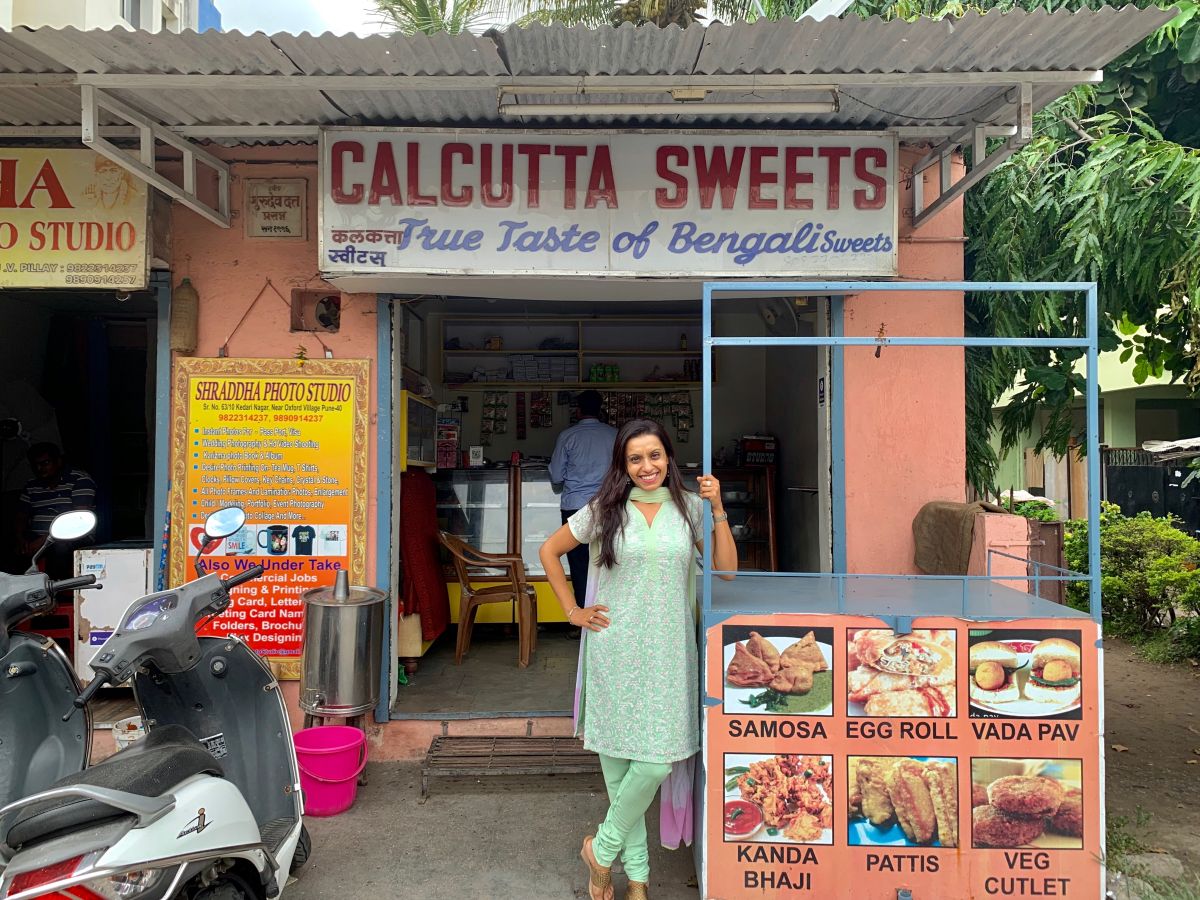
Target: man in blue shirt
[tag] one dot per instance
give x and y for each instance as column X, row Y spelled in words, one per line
column 582, row 455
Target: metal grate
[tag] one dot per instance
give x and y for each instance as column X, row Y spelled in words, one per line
column 1133, row 456
column 463, row 756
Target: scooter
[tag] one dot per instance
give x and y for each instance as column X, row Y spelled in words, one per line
column 36, row 748
column 207, row 806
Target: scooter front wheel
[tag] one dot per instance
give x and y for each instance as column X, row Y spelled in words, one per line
column 228, row 887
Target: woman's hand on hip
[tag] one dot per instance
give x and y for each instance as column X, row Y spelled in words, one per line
column 592, row 618
column 710, row 490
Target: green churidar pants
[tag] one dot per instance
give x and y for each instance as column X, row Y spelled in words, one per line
column 631, row 788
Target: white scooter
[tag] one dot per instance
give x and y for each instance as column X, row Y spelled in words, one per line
column 207, row 806
column 36, row 747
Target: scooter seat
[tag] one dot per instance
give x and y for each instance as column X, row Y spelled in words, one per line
column 150, row 767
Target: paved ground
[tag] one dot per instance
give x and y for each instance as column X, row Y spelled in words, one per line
column 502, row 838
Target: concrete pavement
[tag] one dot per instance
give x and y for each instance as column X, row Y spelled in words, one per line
column 498, row 837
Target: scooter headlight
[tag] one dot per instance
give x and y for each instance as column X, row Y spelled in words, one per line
column 133, row 883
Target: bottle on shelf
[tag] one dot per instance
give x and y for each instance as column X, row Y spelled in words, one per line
column 683, row 341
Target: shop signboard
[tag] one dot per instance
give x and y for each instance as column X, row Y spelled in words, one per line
column 276, row 208
column 668, row 204
column 287, row 441
column 70, row 219
column 959, row 759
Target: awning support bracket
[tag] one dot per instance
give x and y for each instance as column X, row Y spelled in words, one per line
column 142, row 163
column 982, row 162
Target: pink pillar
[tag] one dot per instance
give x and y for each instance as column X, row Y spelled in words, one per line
column 905, row 415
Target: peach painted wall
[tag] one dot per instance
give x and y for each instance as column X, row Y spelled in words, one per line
column 228, row 270
column 905, row 414
column 1008, row 534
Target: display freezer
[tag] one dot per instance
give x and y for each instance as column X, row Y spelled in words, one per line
column 126, row 572
column 506, row 510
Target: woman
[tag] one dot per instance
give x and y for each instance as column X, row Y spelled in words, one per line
column 639, row 708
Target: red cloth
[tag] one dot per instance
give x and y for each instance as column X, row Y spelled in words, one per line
column 423, row 584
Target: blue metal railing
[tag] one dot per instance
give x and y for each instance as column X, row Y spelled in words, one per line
column 838, row 340
column 1066, row 575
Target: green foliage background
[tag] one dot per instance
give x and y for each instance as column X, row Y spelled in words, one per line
column 1150, row 580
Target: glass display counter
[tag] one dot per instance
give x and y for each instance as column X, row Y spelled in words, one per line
column 510, row 510
column 473, row 505
column 540, row 516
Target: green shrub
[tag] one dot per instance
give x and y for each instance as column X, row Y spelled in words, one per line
column 1184, row 639
column 1149, row 578
column 1036, row 510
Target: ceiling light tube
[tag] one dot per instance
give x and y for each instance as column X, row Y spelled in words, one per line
column 664, row 86
column 531, row 110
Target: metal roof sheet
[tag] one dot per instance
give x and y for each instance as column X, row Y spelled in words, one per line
column 1014, row 42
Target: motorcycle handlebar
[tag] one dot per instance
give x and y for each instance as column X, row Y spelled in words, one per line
column 88, row 693
column 242, row 577
column 74, row 584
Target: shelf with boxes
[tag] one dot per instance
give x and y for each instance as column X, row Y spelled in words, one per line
column 486, row 353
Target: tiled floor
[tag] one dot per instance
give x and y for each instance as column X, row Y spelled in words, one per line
column 488, row 679
column 111, row 706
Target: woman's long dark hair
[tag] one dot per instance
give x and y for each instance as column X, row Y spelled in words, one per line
column 608, row 506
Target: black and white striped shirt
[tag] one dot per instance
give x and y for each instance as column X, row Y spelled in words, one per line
column 42, row 503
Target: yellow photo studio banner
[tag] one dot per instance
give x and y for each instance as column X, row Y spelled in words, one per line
column 287, row 443
column 70, row 218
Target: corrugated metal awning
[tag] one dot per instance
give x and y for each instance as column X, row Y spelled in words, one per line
column 950, row 82
column 933, row 76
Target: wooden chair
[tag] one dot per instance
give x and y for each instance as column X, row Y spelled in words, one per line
column 510, row 586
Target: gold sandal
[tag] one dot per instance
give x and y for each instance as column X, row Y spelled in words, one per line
column 637, row 890
column 598, row 877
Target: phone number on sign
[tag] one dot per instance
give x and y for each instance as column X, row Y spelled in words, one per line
column 311, row 417
column 226, row 417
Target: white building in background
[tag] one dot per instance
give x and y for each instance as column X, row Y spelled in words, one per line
column 146, row 15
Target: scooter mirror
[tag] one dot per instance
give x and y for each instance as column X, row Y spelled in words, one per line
column 71, row 526
column 225, row 522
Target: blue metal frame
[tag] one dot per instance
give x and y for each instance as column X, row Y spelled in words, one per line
column 383, row 496
column 161, row 285
column 838, row 341
column 837, row 432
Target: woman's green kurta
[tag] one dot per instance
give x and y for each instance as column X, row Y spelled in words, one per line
column 640, row 697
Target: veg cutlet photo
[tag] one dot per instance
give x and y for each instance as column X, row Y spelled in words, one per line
column 978, row 795
column 991, row 827
column 1068, row 820
column 1024, row 795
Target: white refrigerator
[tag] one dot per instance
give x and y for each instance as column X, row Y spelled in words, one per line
column 127, row 575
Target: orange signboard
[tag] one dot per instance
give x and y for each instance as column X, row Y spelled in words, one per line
column 845, row 760
column 287, row 443
column 70, row 218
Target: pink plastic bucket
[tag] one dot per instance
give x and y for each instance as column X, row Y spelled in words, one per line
column 331, row 758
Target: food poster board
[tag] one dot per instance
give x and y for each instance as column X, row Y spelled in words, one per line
column 844, row 760
column 287, row 441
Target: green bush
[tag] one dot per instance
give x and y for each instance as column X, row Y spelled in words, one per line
column 1150, row 584
column 1036, row 510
